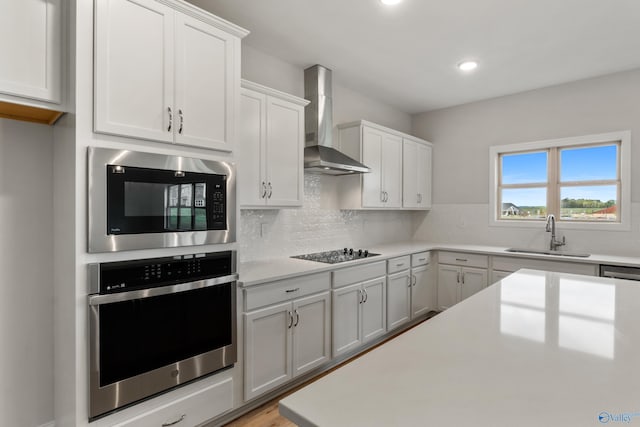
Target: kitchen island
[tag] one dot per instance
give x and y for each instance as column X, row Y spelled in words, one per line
column 536, row 348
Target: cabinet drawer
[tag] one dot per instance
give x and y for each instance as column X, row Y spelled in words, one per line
column 457, row 258
column 192, row 410
column 421, row 258
column 398, row 264
column 360, row 273
column 512, row 264
column 283, row 290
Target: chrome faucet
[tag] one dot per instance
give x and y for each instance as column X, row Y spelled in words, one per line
column 551, row 226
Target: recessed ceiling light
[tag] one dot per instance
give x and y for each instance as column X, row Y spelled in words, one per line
column 468, row 65
column 390, row 2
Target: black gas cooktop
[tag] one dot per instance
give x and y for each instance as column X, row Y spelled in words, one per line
column 334, row 257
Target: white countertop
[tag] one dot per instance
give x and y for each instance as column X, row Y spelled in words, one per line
column 256, row 272
column 535, row 349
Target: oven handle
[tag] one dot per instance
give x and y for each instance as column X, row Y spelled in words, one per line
column 165, row 290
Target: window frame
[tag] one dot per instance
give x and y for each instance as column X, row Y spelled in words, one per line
column 554, row 185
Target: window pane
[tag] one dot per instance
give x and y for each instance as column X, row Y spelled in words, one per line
column 524, row 168
column 589, row 163
column 524, row 203
column 589, row 203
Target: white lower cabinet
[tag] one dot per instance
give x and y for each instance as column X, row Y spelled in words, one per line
column 359, row 301
column 460, row 276
column 286, row 339
column 410, row 291
column 193, row 409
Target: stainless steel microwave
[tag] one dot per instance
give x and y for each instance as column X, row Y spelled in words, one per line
column 142, row 200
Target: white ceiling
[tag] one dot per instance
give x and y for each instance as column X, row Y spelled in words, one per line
column 406, row 55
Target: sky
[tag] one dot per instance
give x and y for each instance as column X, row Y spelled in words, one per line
column 576, row 164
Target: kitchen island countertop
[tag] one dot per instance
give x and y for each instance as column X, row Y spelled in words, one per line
column 536, row 348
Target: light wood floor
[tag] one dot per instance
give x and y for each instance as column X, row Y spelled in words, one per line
column 267, row 415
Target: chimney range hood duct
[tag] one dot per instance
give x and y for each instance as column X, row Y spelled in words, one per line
column 319, row 155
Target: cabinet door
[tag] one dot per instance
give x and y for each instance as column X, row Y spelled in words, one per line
column 311, row 332
column 205, row 85
column 134, row 70
column 267, row 341
column 284, row 152
column 372, row 140
column 410, row 197
column 31, row 49
column 498, row 275
column 422, row 291
column 472, row 280
column 423, row 175
column 392, row 170
column 251, row 139
column 346, row 318
column 448, row 286
column 398, row 299
column 374, row 308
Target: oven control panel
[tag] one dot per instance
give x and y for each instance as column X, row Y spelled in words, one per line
column 122, row 276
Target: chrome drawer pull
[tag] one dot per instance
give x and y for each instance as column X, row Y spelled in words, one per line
column 292, row 290
column 175, row 422
column 297, row 318
column 400, row 265
column 461, row 259
column 290, row 320
column 422, row 259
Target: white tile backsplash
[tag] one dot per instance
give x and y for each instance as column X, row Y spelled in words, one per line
column 269, row 233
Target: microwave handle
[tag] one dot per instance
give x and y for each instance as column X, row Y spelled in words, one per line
column 164, row 290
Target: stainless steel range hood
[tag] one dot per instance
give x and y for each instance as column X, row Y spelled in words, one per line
column 319, row 155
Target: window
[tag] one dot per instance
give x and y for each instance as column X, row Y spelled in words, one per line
column 582, row 181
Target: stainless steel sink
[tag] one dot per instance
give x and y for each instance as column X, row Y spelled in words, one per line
column 547, row 252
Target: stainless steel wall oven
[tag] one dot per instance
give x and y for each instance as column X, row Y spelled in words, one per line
column 144, row 200
column 158, row 323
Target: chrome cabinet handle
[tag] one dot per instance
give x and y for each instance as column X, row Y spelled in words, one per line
column 170, row 119
column 382, row 196
column 386, row 197
column 422, row 259
column 461, row 259
column 270, row 190
column 292, row 290
column 463, row 278
column 400, row 265
column 415, row 280
column 290, row 320
column 182, row 417
column 181, row 120
column 264, row 189
column 360, row 296
column 366, row 295
column 297, row 319
column 408, row 281
column 458, row 277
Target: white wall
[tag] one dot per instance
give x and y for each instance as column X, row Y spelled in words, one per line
column 462, row 136
column 319, row 225
column 26, row 270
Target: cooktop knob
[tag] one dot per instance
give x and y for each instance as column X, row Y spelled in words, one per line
column 366, row 253
column 346, row 250
column 351, row 251
column 359, row 252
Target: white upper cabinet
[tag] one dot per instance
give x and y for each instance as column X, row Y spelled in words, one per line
column 416, row 181
column 166, row 73
column 382, row 150
column 31, row 50
column 271, row 147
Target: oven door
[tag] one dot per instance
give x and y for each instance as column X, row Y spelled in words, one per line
column 148, row 341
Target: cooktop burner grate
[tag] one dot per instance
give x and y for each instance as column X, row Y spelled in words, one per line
column 334, row 257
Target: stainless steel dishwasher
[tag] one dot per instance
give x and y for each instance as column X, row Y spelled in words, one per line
column 620, row 272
